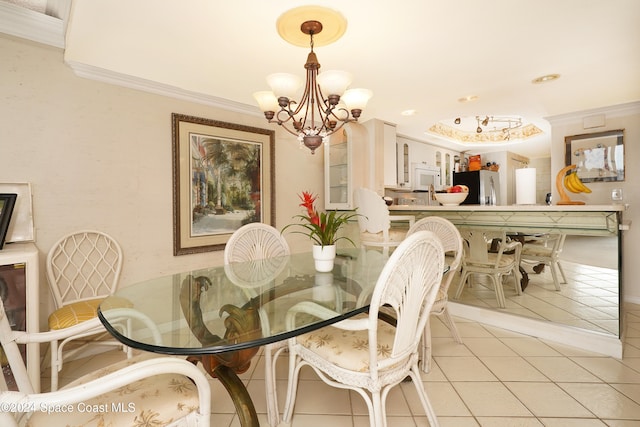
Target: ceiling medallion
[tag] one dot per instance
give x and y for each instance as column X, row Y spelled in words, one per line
column 314, row 116
column 485, row 129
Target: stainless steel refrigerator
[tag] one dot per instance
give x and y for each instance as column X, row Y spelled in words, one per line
column 484, row 186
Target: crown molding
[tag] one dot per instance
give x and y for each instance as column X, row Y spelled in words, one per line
column 619, row 110
column 31, row 25
column 111, row 77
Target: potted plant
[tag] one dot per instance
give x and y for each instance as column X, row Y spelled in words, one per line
column 322, row 228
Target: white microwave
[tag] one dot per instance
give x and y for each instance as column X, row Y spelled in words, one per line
column 424, row 177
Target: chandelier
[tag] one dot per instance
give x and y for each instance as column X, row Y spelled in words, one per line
column 315, row 116
column 500, row 124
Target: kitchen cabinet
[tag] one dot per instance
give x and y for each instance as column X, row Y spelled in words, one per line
column 345, row 163
column 383, row 155
column 19, row 273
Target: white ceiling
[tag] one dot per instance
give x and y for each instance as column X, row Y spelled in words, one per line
column 413, row 54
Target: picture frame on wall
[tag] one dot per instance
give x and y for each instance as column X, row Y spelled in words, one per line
column 223, row 178
column 7, row 203
column 598, row 156
column 21, row 228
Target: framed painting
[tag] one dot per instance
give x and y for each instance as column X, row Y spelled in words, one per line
column 223, row 178
column 7, row 202
column 597, row 156
column 21, row 228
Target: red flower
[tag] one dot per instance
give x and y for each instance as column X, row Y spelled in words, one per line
column 308, row 200
column 321, row 227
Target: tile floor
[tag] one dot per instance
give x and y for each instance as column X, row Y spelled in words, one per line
column 496, row 378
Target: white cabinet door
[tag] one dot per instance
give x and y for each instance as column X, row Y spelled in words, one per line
column 345, row 161
column 389, row 160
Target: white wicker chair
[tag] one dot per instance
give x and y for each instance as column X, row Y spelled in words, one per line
column 452, row 243
column 366, row 354
column 153, row 391
column 374, row 220
column 256, row 241
column 480, row 258
column 83, row 268
column 546, row 250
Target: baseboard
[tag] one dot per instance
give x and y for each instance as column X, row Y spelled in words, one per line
column 608, row 345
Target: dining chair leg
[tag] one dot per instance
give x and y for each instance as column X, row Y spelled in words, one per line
column 463, row 280
column 497, row 286
column 425, row 348
column 292, row 389
column 270, row 358
column 424, row 399
column 564, row 278
column 448, row 321
column 554, row 275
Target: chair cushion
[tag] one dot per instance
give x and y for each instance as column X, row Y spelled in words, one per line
column 349, row 349
column 153, row 401
column 536, row 250
column 81, row 311
column 505, row 261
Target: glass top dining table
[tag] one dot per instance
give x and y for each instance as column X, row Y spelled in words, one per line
column 221, row 315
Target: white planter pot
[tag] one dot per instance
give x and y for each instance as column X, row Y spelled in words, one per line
column 324, row 256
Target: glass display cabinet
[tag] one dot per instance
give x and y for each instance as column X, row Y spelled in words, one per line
column 338, row 186
column 20, row 296
column 345, row 160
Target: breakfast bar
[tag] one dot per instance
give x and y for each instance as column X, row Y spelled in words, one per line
column 587, row 225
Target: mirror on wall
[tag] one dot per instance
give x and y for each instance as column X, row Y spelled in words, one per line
column 588, row 300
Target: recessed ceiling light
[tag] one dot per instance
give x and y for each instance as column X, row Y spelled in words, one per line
column 409, row 112
column 468, row 98
column 546, row 78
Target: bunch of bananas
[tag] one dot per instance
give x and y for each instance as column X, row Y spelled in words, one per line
column 573, row 183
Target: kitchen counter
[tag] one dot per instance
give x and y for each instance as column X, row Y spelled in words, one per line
column 510, row 208
column 590, row 220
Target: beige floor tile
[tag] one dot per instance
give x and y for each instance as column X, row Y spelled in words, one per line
column 222, row 420
column 547, row 400
column 397, row 405
column 490, row 399
column 464, row 369
column 621, row 423
column 632, row 391
column 572, row 422
column 447, row 347
column 319, row 420
column 603, row 400
column 488, row 347
column 448, row 422
column 474, row 330
column 315, row 397
column 529, row 346
column 443, row 397
column 512, row 369
column 608, row 369
column 509, row 422
column 435, row 374
column 562, row 369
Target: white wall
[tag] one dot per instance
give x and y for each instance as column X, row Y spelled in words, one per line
column 627, row 117
column 99, row 156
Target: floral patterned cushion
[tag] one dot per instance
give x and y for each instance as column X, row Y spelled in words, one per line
column 155, row 401
column 349, row 349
